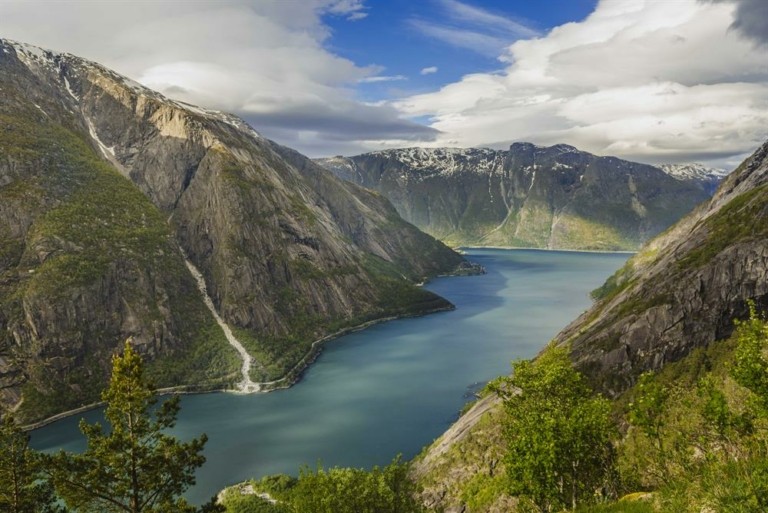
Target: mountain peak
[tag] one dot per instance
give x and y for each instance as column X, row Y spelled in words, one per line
column 693, row 170
column 65, row 65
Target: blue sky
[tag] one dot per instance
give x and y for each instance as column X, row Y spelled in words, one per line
column 647, row 80
column 402, row 36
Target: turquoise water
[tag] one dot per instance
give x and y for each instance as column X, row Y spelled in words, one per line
column 392, row 388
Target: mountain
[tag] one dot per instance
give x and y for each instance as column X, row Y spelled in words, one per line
column 126, row 214
column 527, row 196
column 708, row 177
column 681, row 292
column 684, row 289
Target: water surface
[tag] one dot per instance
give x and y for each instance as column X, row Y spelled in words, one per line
column 392, row 388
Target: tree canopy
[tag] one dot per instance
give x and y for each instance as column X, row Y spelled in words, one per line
column 23, row 487
column 558, row 433
column 134, row 466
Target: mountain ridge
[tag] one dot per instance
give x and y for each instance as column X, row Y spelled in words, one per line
column 708, row 177
column 527, row 196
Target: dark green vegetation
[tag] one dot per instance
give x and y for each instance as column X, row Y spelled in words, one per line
column 527, row 196
column 334, row 490
column 23, row 488
column 687, row 439
column 105, row 189
column 132, row 466
column 697, row 435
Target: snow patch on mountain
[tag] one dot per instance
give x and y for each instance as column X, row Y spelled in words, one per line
column 693, row 171
column 55, row 62
column 442, row 161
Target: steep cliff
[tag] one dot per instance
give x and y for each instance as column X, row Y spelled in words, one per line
column 527, row 196
column 682, row 291
column 107, row 187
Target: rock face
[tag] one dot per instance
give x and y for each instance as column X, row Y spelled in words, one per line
column 106, row 186
column 682, row 291
column 527, row 196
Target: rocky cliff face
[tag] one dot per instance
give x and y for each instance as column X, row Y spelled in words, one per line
column 527, row 196
column 682, row 291
column 106, row 187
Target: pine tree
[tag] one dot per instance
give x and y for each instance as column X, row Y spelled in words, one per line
column 134, row 466
column 23, row 488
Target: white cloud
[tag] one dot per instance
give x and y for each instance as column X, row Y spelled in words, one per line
column 470, row 14
column 357, row 16
column 428, row 70
column 352, row 10
column 472, row 28
column 482, row 43
column 265, row 60
column 382, row 78
column 655, row 81
column 645, row 79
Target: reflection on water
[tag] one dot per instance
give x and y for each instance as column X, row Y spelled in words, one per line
column 392, row 388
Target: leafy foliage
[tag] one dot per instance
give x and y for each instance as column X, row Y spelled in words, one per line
column 750, row 368
column 558, row 434
column 710, row 439
column 334, row 490
column 647, row 413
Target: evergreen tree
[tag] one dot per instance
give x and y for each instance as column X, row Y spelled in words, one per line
column 23, row 488
column 558, row 435
column 134, row 466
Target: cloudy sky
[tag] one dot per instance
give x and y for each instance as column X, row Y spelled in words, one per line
column 649, row 80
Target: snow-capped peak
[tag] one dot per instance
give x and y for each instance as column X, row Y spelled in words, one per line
column 54, row 62
column 693, row 171
column 443, row 161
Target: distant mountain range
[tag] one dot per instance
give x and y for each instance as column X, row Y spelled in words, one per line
column 529, row 196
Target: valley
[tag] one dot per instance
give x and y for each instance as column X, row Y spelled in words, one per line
column 346, row 256
column 389, row 389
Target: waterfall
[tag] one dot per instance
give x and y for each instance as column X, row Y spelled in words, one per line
column 246, row 385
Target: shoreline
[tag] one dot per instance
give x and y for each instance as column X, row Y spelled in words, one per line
column 160, row 392
column 294, row 375
column 459, row 249
column 290, row 378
